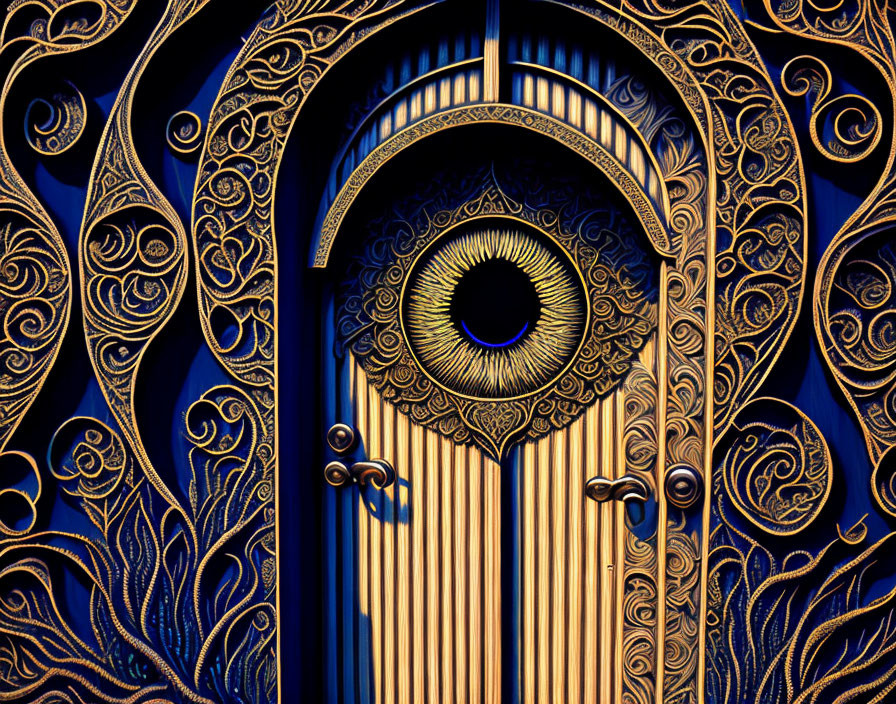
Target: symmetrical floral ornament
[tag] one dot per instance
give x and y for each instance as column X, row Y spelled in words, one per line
column 597, row 308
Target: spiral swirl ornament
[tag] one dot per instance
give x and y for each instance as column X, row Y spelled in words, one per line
column 184, row 133
column 54, row 124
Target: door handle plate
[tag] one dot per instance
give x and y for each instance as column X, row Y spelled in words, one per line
column 626, row 488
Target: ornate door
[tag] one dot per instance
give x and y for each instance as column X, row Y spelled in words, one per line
column 434, row 351
column 515, row 239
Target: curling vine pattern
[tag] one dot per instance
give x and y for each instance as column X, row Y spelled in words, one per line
column 183, row 580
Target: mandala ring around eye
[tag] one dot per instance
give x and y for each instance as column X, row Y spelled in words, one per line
column 494, row 309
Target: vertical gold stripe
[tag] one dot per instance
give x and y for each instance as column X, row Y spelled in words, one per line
column 447, row 463
column 460, row 571
column 621, row 144
column 662, row 509
column 575, row 108
column 591, row 119
column 401, row 114
column 474, row 465
column 577, row 499
column 372, row 438
column 403, row 567
column 709, row 425
column 360, row 394
column 492, row 541
column 558, row 100
column 385, row 126
column 592, row 593
column 445, row 93
column 429, row 99
column 417, row 573
column 416, row 105
column 527, row 588
column 473, row 84
column 558, row 470
column 460, row 89
column 386, row 413
column 528, row 91
column 433, row 624
column 543, row 570
column 606, row 130
column 607, row 587
column 619, row 534
column 492, row 52
column 542, row 94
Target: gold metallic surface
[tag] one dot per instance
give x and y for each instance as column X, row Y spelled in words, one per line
column 429, row 553
column 640, row 389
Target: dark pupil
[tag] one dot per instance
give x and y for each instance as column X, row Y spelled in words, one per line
column 495, row 303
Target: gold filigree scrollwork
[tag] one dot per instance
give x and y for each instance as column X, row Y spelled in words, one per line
column 20, row 492
column 640, row 604
column 232, row 215
column 855, row 122
column 92, row 466
column 640, row 432
column 719, row 354
column 805, row 625
column 778, row 475
column 54, row 124
column 854, row 322
column 184, row 132
column 132, row 253
column 235, row 251
column 35, row 275
column 853, row 299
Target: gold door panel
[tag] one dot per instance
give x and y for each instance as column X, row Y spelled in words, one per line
column 429, row 561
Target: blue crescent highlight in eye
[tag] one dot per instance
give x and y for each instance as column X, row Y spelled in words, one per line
column 491, row 344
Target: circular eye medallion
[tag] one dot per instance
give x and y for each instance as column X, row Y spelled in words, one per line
column 497, row 310
column 494, row 310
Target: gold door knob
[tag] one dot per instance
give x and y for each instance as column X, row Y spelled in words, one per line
column 627, row 488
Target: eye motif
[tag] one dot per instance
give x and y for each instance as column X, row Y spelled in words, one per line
column 493, row 312
column 502, row 317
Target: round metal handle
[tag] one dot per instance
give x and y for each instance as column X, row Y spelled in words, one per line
column 683, row 486
column 341, row 438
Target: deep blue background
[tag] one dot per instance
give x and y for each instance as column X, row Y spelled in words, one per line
column 187, row 75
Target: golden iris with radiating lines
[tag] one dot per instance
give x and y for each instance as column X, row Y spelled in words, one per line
column 494, row 309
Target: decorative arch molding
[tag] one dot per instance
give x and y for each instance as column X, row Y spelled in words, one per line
column 655, row 223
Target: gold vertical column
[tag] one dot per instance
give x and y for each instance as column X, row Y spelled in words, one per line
column 575, row 510
column 591, row 592
column 662, row 508
column 607, row 590
column 492, row 52
column 432, row 548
